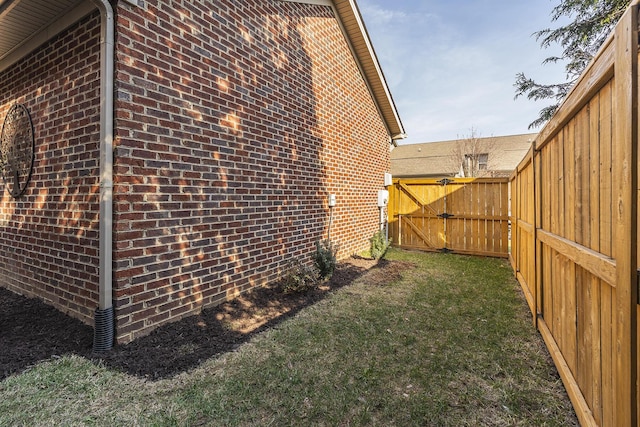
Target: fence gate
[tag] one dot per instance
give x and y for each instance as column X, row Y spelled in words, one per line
column 462, row 215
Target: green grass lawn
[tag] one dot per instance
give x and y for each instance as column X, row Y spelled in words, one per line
column 449, row 344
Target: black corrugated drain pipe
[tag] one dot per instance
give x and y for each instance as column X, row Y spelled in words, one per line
column 103, row 330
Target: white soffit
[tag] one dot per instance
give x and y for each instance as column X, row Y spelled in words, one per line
column 27, row 24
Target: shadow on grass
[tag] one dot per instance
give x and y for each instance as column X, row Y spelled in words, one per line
column 31, row 331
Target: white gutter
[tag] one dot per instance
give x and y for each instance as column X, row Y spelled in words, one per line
column 104, row 317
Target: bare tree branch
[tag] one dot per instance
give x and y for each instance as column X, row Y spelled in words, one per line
column 473, row 155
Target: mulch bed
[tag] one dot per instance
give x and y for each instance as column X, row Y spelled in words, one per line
column 31, row 331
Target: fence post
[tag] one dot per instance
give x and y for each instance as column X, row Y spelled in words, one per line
column 513, row 185
column 625, row 215
column 536, row 181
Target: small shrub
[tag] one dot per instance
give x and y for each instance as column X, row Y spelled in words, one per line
column 326, row 258
column 299, row 277
column 379, row 245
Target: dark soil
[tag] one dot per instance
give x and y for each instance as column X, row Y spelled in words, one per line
column 31, row 331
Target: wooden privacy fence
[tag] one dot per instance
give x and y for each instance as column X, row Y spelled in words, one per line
column 574, row 225
column 462, row 215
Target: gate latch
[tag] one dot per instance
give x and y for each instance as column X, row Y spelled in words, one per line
column 445, row 215
column 444, row 181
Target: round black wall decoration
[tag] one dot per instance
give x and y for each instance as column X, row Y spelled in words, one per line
column 16, row 149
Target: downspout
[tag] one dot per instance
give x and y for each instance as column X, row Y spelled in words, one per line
column 104, row 315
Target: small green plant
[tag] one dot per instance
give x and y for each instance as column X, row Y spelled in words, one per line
column 379, row 245
column 325, row 259
column 299, row 277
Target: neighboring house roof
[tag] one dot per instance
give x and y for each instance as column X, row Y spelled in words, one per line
column 439, row 158
column 26, row 24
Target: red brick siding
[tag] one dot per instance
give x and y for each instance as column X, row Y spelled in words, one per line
column 49, row 236
column 233, row 126
column 234, row 123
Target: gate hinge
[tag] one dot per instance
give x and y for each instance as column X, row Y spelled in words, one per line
column 445, row 215
column 445, row 181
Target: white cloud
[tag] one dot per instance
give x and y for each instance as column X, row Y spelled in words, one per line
column 451, row 68
column 377, row 15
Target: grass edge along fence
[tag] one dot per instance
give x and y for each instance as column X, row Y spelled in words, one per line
column 574, row 233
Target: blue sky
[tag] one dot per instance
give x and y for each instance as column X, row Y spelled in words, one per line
column 451, row 64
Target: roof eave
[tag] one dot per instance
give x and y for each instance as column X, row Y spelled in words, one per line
column 360, row 42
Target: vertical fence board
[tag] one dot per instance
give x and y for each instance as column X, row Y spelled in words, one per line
column 594, row 370
column 606, row 233
column 584, row 330
column 570, row 184
column 504, row 224
column 608, row 332
column 596, row 356
column 559, row 142
column 513, row 219
column 474, row 210
column 594, row 173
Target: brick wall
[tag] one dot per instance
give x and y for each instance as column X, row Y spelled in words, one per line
column 233, row 126
column 49, row 237
column 234, row 123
